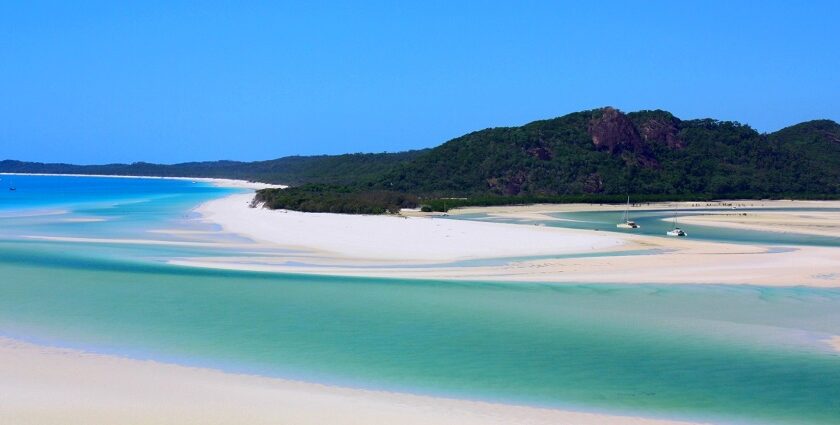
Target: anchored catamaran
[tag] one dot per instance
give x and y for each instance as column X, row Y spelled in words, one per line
column 676, row 231
column 626, row 223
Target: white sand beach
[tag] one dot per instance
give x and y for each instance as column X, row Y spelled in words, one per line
column 44, row 386
column 524, row 211
column 374, row 245
column 395, row 238
column 820, row 223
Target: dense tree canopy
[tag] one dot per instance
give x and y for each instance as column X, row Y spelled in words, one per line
column 599, row 154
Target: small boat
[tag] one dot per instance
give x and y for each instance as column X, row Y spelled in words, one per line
column 676, row 231
column 626, row 223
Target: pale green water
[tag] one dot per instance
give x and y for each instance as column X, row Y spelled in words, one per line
column 689, row 351
column 657, row 222
column 728, row 354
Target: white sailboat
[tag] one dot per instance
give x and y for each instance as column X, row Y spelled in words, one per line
column 626, row 223
column 676, row 231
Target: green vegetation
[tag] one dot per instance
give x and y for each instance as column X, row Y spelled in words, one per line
column 291, row 170
column 335, row 199
column 558, row 157
column 591, row 156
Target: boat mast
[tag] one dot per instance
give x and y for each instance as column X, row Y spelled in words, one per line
column 627, row 210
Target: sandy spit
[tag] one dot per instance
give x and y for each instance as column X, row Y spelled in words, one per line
column 374, row 245
column 395, row 238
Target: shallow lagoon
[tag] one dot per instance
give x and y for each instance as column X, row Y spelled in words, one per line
column 722, row 353
column 657, row 222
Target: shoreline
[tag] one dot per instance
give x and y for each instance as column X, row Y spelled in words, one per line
column 392, row 239
column 811, row 223
column 49, row 385
column 529, row 210
column 220, row 182
column 375, row 246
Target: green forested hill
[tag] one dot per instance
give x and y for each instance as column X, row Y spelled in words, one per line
column 291, row 170
column 649, row 152
column 812, row 152
column 599, row 154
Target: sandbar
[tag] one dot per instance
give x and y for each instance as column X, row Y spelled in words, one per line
column 387, row 246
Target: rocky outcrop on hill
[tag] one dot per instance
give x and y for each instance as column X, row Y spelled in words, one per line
column 663, row 131
column 614, row 132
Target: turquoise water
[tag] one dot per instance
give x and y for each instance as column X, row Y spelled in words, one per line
column 721, row 353
column 98, row 207
column 657, row 222
column 43, row 192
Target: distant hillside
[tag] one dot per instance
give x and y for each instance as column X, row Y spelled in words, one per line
column 598, row 155
column 292, row 170
column 607, row 152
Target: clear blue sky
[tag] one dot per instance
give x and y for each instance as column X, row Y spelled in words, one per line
column 93, row 82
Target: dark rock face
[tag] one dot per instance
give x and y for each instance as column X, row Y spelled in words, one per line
column 661, row 131
column 612, row 131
